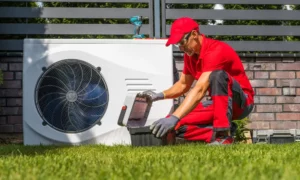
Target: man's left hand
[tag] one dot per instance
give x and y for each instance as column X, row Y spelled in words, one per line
column 162, row 126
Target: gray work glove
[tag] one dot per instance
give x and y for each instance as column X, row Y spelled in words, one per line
column 160, row 127
column 153, row 96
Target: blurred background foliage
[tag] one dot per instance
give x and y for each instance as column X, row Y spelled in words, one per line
column 73, row 20
column 244, row 22
column 145, row 5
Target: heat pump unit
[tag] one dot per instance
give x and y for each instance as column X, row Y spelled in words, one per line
column 74, row 89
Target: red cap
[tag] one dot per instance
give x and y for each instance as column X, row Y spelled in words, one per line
column 180, row 27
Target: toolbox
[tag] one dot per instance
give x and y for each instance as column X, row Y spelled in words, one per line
column 134, row 115
column 142, row 136
column 271, row 136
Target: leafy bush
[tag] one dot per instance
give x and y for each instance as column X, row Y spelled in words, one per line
column 241, row 129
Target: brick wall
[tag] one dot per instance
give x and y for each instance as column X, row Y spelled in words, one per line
column 11, row 95
column 277, row 88
column 275, row 80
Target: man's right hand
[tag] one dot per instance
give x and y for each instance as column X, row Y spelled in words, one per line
column 152, row 95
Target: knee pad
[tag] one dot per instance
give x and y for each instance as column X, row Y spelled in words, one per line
column 217, row 75
column 218, row 82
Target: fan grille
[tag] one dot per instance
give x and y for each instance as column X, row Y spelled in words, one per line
column 71, row 96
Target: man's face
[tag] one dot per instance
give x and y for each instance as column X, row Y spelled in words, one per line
column 187, row 44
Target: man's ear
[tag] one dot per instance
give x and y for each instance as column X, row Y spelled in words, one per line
column 195, row 34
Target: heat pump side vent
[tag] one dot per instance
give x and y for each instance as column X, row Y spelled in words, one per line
column 138, row 84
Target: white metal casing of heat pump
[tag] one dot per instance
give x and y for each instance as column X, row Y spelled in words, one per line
column 127, row 66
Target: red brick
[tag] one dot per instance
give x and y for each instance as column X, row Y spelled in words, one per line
column 14, row 102
column 291, row 107
column 298, row 74
column 283, row 125
column 258, row 125
column 6, row 128
column 11, row 93
column 295, row 83
column 261, row 75
column 261, row 116
column 264, row 99
column 284, row 99
column 246, row 66
column 269, row 108
column 288, row 116
column 256, row 99
column 193, row 84
column 254, row 109
column 288, row 66
column 19, row 75
column 298, row 91
column 4, row 66
column 18, row 128
column 282, row 75
column 15, row 66
column 262, row 83
column 288, row 82
column 261, row 66
column 8, row 75
column 11, row 111
column 11, row 84
column 2, row 102
column 269, row 91
column 179, row 66
column 3, row 120
column 249, row 74
column 14, row 120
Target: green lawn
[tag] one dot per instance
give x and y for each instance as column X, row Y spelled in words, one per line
column 189, row 161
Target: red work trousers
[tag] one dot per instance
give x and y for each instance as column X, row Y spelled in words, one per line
column 228, row 102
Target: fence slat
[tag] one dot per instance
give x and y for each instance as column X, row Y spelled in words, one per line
column 27, row 12
column 233, row 14
column 265, row 46
column 245, row 30
column 262, row 46
column 105, row 29
column 11, row 45
column 234, row 1
column 85, row 1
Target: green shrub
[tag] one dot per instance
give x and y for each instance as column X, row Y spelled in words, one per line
column 241, row 129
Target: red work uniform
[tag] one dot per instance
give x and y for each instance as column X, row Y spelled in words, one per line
column 230, row 91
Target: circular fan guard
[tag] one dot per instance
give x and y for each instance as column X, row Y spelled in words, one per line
column 71, row 96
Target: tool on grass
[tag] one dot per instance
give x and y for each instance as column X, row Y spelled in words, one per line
column 137, row 22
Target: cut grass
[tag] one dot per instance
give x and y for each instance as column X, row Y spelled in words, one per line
column 189, row 161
